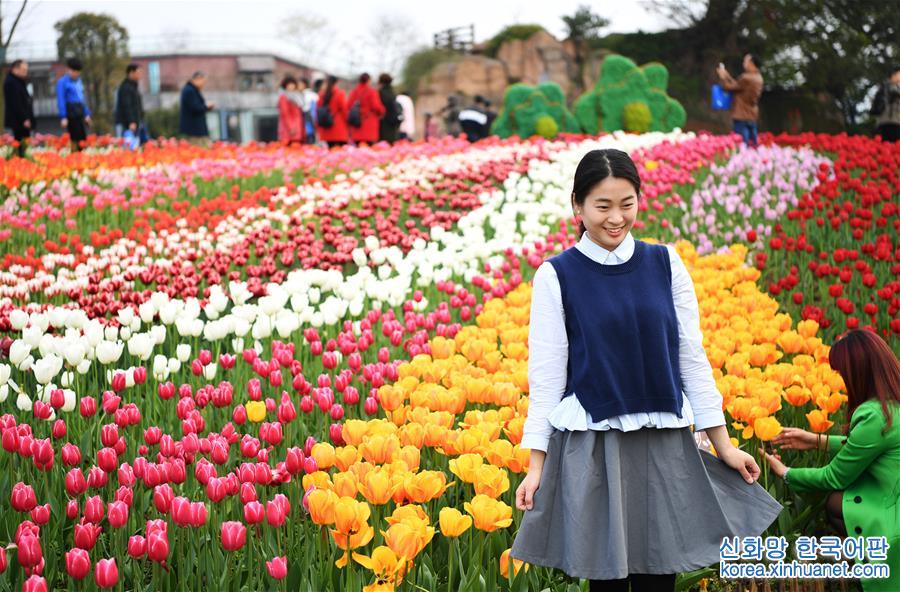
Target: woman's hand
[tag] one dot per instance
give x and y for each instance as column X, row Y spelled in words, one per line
column 527, row 488
column 796, row 439
column 775, row 463
column 741, row 462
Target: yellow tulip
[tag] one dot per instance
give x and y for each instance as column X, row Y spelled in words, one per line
column 323, row 452
column 346, row 456
column 376, row 487
column 256, row 411
column 465, row 466
column 425, row 486
column 766, row 428
column 344, row 484
column 453, row 523
column 321, row 504
column 384, row 563
column 408, row 512
column 491, row 480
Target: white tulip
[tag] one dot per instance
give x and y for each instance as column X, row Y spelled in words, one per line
column 47, row 368
column 141, row 345
column 68, row 400
column 93, row 333
column 183, row 352
column 125, row 333
column 18, row 319
column 5, row 371
column 109, row 352
column 147, row 311
column 67, row 378
column 262, row 328
column 74, row 353
column 111, row 333
column 209, row 371
column 158, row 334
column 126, row 315
column 23, row 403
column 32, row 335
column 174, row 366
column 58, row 317
column 237, row 344
column 4, row 393
column 83, row 367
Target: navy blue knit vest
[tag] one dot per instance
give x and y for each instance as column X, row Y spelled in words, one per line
column 622, row 331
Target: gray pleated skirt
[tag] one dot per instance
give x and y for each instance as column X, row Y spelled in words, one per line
column 648, row 501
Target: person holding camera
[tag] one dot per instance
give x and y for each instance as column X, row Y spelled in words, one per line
column 747, row 90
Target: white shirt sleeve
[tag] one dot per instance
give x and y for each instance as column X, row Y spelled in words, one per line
column 697, row 380
column 548, row 354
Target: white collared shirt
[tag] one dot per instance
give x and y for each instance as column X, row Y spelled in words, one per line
column 548, row 354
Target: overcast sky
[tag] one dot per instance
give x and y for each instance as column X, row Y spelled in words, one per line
column 157, row 25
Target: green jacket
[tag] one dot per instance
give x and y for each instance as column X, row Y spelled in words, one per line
column 866, row 467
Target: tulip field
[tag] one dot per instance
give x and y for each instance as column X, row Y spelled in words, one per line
column 268, row 368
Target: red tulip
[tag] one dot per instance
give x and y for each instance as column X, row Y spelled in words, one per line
column 29, row 552
column 137, row 546
column 86, row 534
column 59, row 429
column 275, row 514
column 94, row 509
column 4, row 561
column 277, row 567
column 87, row 406
column 106, row 573
column 72, row 509
column 41, row 514
column 118, row 514
column 71, row 455
column 78, row 563
column 254, row 512
column 157, row 546
column 234, row 535
column 23, row 498
column 107, row 459
column 34, row 583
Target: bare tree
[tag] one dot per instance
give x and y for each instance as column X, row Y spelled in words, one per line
column 7, row 39
column 312, row 36
column 392, row 38
column 681, row 13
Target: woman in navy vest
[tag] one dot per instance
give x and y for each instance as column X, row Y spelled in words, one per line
column 617, row 491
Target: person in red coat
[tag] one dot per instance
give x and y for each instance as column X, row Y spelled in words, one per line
column 290, row 115
column 332, row 96
column 371, row 110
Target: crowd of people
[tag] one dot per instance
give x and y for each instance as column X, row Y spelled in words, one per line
column 321, row 112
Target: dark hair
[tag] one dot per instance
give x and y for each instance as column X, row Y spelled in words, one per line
column 364, row 78
column 317, row 84
column 74, row 64
column 891, row 72
column 305, row 81
column 132, row 67
column 869, row 369
column 288, row 79
column 198, row 74
column 596, row 166
column 15, row 64
column 385, row 79
column 754, row 57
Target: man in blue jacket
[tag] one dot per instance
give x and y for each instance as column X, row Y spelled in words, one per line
column 75, row 116
column 193, row 109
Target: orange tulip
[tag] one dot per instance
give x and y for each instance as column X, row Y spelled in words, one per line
column 387, row 567
column 491, row 480
column 489, row 514
column 797, row 395
column 504, row 564
column 321, row 506
column 818, row 421
column 323, row 452
column 376, row 487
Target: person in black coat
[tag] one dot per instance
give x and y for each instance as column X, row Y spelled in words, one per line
column 129, row 107
column 393, row 114
column 19, row 111
column 194, row 107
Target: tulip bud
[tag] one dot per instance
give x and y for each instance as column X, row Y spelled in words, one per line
column 118, row 514
column 78, row 563
column 34, row 583
column 106, row 573
column 41, row 514
column 23, row 498
column 277, row 568
column 87, row 406
column 72, row 509
column 234, row 535
column 137, row 546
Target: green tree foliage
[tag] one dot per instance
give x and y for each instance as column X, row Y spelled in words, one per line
column 101, row 43
column 508, row 34
column 526, row 110
column 420, row 63
column 622, row 83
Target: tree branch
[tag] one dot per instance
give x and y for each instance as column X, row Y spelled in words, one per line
column 15, row 24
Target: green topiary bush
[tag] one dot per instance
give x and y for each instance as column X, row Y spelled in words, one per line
column 525, row 106
column 636, row 117
column 631, row 98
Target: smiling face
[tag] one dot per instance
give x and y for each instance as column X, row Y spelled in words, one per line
column 608, row 211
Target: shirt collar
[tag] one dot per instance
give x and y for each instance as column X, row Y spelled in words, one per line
column 620, row 254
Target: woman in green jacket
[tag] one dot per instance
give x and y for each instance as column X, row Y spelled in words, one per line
column 863, row 477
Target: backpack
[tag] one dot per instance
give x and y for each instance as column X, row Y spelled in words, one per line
column 354, row 116
column 324, row 118
column 398, row 112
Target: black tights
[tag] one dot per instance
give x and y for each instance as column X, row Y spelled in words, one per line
column 834, row 511
column 639, row 583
